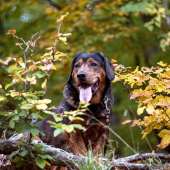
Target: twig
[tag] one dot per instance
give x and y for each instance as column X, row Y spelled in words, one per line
column 112, row 132
column 142, row 130
column 45, row 91
column 125, row 87
column 30, row 152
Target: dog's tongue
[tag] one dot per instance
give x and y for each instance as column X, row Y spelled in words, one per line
column 85, row 94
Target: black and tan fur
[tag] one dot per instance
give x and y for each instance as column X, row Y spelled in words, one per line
column 95, row 67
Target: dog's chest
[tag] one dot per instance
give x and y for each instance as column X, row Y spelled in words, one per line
column 94, row 129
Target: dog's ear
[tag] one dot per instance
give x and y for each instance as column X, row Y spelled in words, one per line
column 72, row 66
column 108, row 66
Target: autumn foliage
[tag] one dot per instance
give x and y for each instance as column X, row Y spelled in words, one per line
column 150, row 87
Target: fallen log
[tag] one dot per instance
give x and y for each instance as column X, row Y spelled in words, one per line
column 63, row 158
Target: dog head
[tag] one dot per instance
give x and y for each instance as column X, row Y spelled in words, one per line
column 89, row 75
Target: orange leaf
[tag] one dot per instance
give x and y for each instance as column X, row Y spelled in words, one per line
column 153, row 82
column 113, row 61
column 126, row 121
column 18, row 44
column 11, row 32
column 136, row 122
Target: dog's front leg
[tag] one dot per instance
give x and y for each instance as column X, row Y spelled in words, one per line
column 77, row 143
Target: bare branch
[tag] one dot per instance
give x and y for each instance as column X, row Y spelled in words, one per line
column 144, row 156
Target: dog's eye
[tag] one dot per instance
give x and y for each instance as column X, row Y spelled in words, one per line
column 93, row 64
column 77, row 65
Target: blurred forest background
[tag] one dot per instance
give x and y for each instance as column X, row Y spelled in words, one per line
column 133, row 32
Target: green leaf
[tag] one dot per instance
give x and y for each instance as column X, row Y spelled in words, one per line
column 39, row 74
column 12, row 69
column 2, row 98
column 22, row 64
column 39, row 149
column 40, row 162
column 16, row 160
column 57, row 118
column 24, row 147
column 15, row 118
column 46, row 157
column 19, row 143
column 34, row 132
column 49, row 112
column 23, row 113
column 21, row 164
column 7, row 85
column 0, row 86
column 23, row 153
column 78, row 126
column 11, row 124
column 21, row 126
column 55, row 124
column 58, row 131
column 68, row 128
column 37, row 115
column 27, row 106
column 13, row 154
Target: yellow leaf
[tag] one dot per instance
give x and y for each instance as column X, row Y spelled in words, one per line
column 140, row 110
column 150, row 108
column 53, row 67
column 160, row 87
column 44, row 84
column 47, row 163
column 67, row 34
column 14, row 94
column 113, row 61
column 63, row 39
column 153, row 81
column 148, row 93
column 165, row 141
column 164, row 132
column 44, row 101
column 62, row 17
column 162, row 64
column 41, row 106
column 136, row 70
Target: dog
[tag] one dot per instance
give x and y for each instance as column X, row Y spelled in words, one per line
column 90, row 81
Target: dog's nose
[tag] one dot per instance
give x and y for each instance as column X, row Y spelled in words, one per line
column 81, row 75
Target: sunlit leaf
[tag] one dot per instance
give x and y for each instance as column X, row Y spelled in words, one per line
column 63, row 39
column 41, row 106
column 58, row 131
column 44, row 84
column 27, row 106
column 126, row 121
